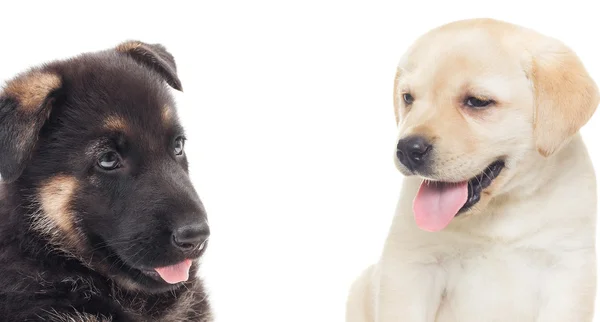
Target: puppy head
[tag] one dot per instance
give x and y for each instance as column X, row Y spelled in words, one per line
column 474, row 100
column 95, row 147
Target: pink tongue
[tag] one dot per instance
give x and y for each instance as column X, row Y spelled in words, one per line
column 437, row 203
column 175, row 273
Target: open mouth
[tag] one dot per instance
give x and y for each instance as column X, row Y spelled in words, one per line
column 175, row 273
column 171, row 273
column 438, row 202
column 478, row 183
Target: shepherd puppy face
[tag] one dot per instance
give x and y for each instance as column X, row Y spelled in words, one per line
column 478, row 104
column 95, row 145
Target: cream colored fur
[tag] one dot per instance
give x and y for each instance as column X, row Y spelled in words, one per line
column 526, row 251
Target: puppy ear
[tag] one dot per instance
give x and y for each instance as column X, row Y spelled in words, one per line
column 25, row 105
column 565, row 96
column 155, row 57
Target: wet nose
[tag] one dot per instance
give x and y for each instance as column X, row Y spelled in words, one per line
column 190, row 237
column 413, row 152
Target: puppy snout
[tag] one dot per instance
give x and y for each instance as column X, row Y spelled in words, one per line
column 413, row 152
column 190, row 237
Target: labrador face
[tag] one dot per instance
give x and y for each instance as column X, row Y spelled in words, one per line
column 478, row 103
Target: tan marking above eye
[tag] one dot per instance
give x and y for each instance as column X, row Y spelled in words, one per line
column 115, row 123
column 55, row 197
column 167, row 114
column 32, row 89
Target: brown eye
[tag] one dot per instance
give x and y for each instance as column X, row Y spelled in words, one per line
column 476, row 103
column 109, row 161
column 408, row 98
column 179, row 144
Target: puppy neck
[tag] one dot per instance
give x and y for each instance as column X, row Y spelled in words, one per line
column 560, row 170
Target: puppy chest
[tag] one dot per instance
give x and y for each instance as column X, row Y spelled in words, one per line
column 493, row 286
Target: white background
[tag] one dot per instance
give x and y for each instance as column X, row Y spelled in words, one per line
column 288, row 107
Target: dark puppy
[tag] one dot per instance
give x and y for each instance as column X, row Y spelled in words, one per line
column 98, row 218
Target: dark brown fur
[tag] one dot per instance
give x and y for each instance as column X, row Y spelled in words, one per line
column 78, row 240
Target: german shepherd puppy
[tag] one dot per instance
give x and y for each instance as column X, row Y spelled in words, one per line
column 98, row 218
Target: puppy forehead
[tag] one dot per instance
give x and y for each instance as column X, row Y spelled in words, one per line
column 129, row 121
column 113, row 82
column 124, row 103
column 136, row 132
column 474, row 60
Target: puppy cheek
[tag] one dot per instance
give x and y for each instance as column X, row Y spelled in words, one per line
column 55, row 218
column 55, row 197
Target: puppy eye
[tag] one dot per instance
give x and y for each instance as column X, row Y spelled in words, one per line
column 477, row 103
column 408, row 99
column 179, row 144
column 109, row 161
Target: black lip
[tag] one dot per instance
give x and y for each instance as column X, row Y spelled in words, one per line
column 480, row 182
column 149, row 273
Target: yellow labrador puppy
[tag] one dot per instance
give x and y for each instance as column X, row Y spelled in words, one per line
column 497, row 216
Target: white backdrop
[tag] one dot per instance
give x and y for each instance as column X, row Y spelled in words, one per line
column 288, row 108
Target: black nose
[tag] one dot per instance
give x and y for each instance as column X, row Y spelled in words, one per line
column 190, row 237
column 412, row 151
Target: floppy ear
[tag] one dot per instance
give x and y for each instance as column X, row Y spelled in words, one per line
column 155, row 57
column 25, row 105
column 565, row 96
